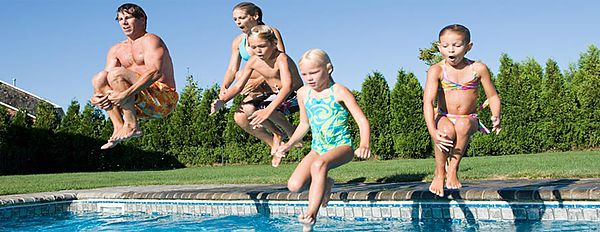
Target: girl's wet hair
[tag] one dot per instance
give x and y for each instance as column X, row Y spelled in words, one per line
column 250, row 9
column 458, row 29
column 133, row 9
column 263, row 32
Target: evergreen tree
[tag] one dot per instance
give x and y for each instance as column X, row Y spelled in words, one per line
column 529, row 106
column 557, row 110
column 508, row 86
column 4, row 124
column 181, row 131
column 21, row 119
column 430, row 55
column 155, row 139
column 91, row 122
column 375, row 102
column 407, row 124
column 209, row 129
column 586, row 89
column 46, row 117
column 70, row 122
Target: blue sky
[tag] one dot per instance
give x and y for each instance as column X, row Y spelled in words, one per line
column 53, row 47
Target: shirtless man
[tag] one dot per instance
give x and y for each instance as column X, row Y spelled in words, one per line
column 137, row 81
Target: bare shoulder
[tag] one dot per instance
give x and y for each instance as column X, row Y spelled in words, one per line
column 480, row 67
column 237, row 40
column 341, row 92
column 152, row 39
column 275, row 30
column 435, row 70
column 302, row 91
column 115, row 48
column 283, row 58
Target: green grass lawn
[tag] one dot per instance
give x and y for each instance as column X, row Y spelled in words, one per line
column 545, row 165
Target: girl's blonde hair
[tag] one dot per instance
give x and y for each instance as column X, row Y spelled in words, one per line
column 316, row 55
column 320, row 57
column 263, row 32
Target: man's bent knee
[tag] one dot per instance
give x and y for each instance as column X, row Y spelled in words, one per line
column 117, row 74
column 100, row 79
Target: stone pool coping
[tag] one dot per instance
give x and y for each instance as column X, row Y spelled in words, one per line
column 475, row 190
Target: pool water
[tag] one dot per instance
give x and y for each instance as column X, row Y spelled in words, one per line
column 159, row 222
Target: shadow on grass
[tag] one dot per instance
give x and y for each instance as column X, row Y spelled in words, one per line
column 37, row 151
column 402, row 178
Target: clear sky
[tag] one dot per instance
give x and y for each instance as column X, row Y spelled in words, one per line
column 53, row 47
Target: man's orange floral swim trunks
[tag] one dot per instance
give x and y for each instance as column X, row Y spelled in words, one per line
column 156, row 101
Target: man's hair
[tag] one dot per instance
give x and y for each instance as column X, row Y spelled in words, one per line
column 250, row 9
column 458, row 29
column 133, row 9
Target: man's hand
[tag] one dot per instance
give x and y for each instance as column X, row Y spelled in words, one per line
column 118, row 99
column 101, row 101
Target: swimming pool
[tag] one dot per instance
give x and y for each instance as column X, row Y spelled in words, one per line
column 550, row 205
column 259, row 222
column 181, row 215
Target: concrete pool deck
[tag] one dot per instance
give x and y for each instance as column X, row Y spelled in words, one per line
column 475, row 190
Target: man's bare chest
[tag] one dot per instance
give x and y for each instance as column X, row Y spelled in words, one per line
column 130, row 54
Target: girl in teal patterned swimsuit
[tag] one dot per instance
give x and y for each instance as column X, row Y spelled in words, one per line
column 324, row 108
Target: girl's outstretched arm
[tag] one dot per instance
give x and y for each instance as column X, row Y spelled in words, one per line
column 301, row 129
column 343, row 94
column 429, row 94
column 233, row 67
column 492, row 95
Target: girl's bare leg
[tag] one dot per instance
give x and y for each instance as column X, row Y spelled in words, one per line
column 318, row 172
column 464, row 128
column 437, row 185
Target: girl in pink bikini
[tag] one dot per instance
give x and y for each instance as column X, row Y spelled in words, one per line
column 454, row 83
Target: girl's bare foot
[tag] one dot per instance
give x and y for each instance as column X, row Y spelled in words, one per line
column 437, row 186
column 308, row 222
column 452, row 181
column 327, row 193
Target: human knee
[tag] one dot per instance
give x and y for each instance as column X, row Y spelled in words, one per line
column 449, row 131
column 463, row 127
column 99, row 79
column 294, row 186
column 241, row 119
column 318, row 166
column 116, row 74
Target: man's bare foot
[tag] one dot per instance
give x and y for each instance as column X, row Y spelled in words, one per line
column 308, row 222
column 127, row 132
column 437, row 186
column 452, row 181
column 327, row 193
column 110, row 144
column 275, row 159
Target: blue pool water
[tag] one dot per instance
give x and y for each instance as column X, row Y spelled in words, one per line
column 155, row 222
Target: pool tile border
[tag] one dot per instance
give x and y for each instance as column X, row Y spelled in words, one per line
column 510, row 199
